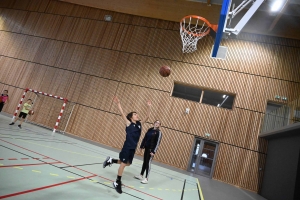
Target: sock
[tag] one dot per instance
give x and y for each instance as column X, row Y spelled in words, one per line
column 119, row 178
column 114, row 160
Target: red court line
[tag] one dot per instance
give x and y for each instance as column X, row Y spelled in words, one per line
column 46, row 156
column 42, row 188
column 24, row 158
column 76, row 167
column 29, row 164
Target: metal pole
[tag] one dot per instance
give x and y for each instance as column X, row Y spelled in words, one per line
column 59, row 116
column 20, row 103
column 69, row 119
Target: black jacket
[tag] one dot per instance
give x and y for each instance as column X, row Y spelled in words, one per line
column 152, row 140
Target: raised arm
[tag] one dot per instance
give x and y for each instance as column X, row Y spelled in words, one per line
column 117, row 101
column 148, row 112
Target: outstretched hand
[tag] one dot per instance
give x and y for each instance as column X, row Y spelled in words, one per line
column 116, row 99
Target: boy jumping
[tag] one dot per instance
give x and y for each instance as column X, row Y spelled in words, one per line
column 133, row 133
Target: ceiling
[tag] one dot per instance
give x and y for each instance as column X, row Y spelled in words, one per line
column 282, row 24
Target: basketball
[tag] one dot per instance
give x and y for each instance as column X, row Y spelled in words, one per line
column 165, row 71
column 31, row 112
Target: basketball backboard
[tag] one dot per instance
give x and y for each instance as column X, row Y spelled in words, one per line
column 218, row 52
column 225, row 17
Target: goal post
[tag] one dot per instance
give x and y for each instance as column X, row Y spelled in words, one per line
column 45, row 94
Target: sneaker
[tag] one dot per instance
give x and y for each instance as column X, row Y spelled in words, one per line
column 12, row 123
column 108, row 161
column 19, row 126
column 140, row 177
column 145, row 181
column 118, row 186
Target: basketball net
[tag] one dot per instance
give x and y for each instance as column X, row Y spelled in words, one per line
column 192, row 29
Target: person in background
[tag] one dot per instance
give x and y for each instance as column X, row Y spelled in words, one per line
column 3, row 99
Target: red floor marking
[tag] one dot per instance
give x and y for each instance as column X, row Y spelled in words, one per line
column 46, row 156
column 25, row 158
column 1, row 159
column 29, row 164
column 12, row 159
column 42, row 188
column 74, row 167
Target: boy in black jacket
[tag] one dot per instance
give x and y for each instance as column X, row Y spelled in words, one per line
column 150, row 143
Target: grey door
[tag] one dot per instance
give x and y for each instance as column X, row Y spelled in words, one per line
column 203, row 157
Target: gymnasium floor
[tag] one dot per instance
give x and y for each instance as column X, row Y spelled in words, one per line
column 36, row 165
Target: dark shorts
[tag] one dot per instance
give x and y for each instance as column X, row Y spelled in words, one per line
column 23, row 115
column 1, row 106
column 126, row 155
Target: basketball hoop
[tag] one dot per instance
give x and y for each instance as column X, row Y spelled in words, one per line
column 192, row 29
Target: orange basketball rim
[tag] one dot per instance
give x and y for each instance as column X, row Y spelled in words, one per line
column 192, row 29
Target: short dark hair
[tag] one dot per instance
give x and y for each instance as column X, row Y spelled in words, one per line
column 29, row 99
column 6, row 90
column 129, row 115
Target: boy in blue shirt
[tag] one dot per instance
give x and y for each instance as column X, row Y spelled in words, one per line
column 133, row 133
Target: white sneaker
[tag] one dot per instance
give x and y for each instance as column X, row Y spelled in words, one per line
column 145, row 181
column 140, row 177
column 107, row 162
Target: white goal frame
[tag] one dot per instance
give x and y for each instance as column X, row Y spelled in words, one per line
column 46, row 94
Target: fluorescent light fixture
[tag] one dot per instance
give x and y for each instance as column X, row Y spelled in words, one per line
column 277, row 5
column 224, row 96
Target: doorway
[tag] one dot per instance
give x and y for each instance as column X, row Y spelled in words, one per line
column 203, row 157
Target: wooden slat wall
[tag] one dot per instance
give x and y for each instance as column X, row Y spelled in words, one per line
column 68, row 50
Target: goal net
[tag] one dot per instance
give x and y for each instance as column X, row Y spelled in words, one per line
column 50, row 111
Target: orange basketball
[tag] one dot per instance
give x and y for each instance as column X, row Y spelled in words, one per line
column 31, row 112
column 165, row 71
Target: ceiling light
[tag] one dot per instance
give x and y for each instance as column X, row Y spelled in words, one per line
column 224, row 96
column 218, row 105
column 277, row 5
column 107, row 18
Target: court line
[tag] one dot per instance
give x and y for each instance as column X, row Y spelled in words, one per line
column 44, row 163
column 97, row 151
column 44, row 187
column 74, row 167
column 76, row 173
column 155, row 171
column 162, row 173
column 81, row 165
column 46, row 139
column 201, row 195
column 60, row 149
